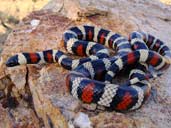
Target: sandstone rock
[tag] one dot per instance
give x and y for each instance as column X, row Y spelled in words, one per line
column 110, row 120
column 41, row 88
column 4, row 118
column 18, row 118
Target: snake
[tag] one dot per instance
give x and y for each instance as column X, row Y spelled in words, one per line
column 91, row 76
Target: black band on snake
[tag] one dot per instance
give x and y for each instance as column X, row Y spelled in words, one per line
column 91, row 77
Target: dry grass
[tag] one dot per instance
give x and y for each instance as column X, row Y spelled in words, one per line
column 168, row 2
column 18, row 9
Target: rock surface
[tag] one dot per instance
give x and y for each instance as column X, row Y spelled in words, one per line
column 34, row 96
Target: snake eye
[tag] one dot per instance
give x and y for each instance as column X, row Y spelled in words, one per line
column 12, row 61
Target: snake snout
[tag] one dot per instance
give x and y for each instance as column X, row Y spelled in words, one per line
column 12, row 61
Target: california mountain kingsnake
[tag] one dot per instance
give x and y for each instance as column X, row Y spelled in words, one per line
column 90, row 78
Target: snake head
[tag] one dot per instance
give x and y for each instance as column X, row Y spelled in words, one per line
column 12, row 61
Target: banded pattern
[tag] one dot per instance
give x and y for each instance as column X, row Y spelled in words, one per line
column 91, row 76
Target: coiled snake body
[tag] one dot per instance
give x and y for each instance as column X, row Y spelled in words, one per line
column 91, row 78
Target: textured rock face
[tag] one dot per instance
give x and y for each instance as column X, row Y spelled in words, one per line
column 36, row 96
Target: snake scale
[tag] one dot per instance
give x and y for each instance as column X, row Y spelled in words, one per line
column 90, row 78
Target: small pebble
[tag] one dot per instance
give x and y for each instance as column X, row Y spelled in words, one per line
column 82, row 121
column 35, row 23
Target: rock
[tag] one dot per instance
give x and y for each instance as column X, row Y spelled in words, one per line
column 18, row 80
column 18, row 118
column 111, row 120
column 2, row 94
column 76, row 9
column 4, row 118
column 41, row 88
column 82, row 121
